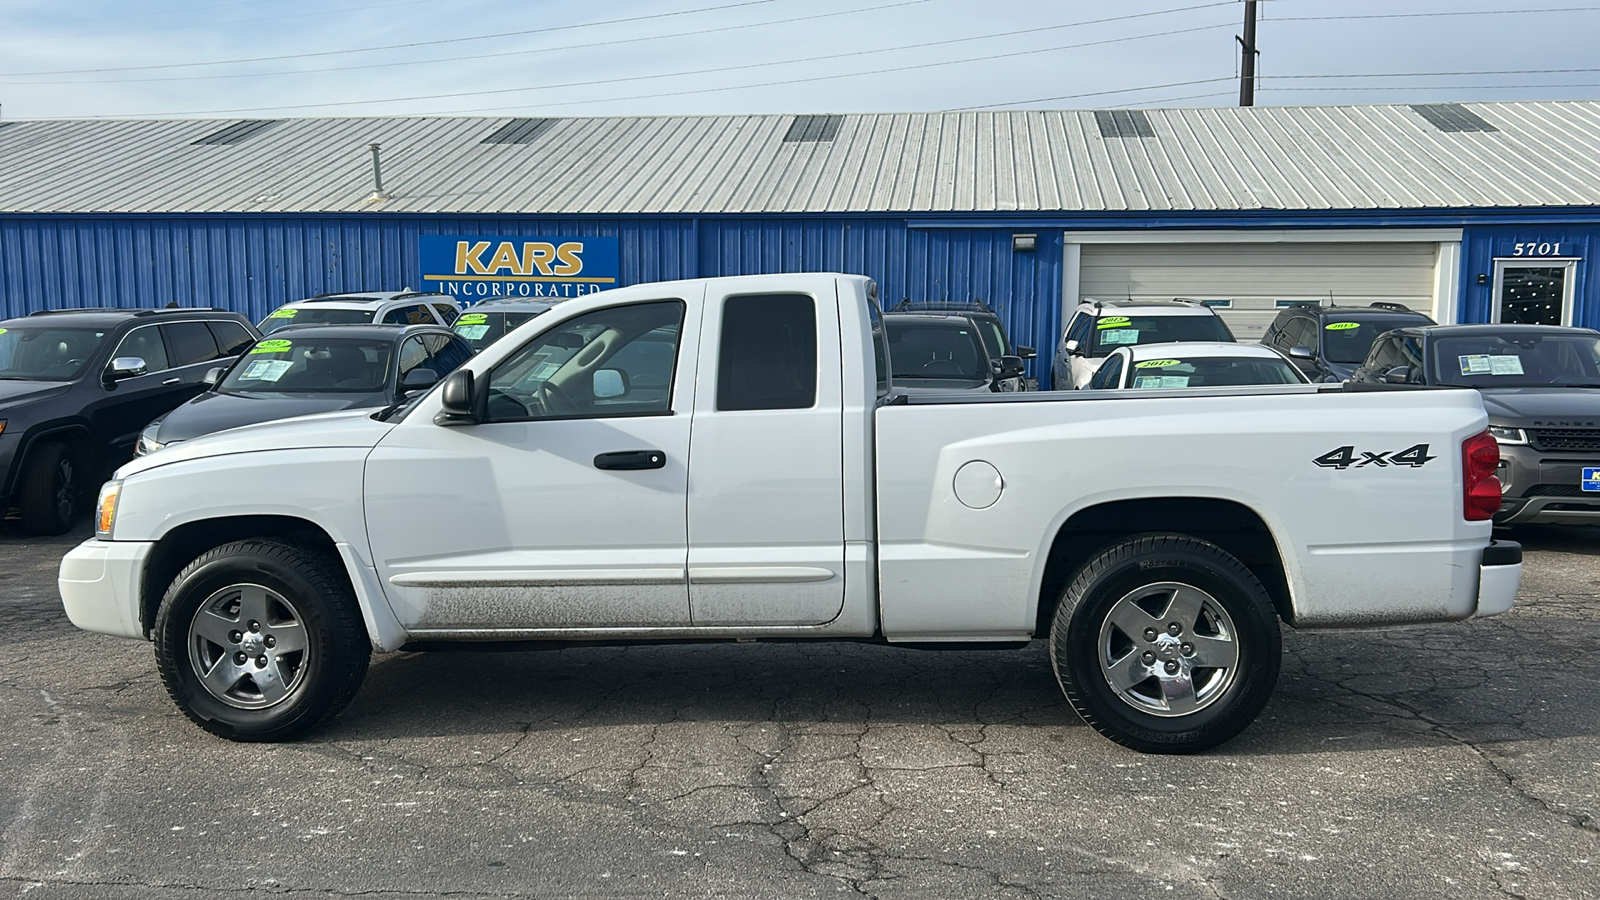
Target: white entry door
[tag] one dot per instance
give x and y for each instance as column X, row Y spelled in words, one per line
column 566, row 506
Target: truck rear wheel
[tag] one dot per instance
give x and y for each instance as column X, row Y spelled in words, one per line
column 260, row 640
column 1166, row 644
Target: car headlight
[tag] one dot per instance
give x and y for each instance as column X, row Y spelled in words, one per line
column 105, row 509
column 1508, row 435
column 2, row 426
column 147, row 440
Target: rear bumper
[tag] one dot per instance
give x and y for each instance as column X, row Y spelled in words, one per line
column 99, row 583
column 1499, row 576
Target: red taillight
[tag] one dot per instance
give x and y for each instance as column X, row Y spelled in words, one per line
column 1480, row 490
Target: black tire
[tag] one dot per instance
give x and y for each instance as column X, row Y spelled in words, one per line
column 303, row 661
column 1145, row 585
column 51, row 493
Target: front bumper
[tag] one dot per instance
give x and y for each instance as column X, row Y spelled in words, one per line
column 99, row 583
column 1542, row 488
column 1499, row 576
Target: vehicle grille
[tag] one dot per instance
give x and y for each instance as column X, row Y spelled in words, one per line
column 1565, row 438
column 1560, row 490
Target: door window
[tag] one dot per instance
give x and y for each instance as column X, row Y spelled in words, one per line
column 189, row 343
column 412, row 355
column 611, row 362
column 1533, row 295
column 409, row 315
column 145, row 343
column 1109, row 376
column 232, row 338
column 1080, row 331
column 768, row 353
column 445, row 353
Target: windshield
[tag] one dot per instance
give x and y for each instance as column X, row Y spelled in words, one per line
column 306, row 363
column 45, row 353
column 1212, row 371
column 313, row 315
column 1111, row 332
column 1517, row 360
column 924, row 349
column 482, row 329
column 1347, row 341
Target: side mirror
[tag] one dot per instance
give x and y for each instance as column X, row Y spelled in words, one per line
column 1300, row 353
column 610, row 384
column 1398, row 375
column 1027, row 353
column 418, row 379
column 457, row 403
column 211, row 377
column 1071, row 347
column 1008, row 367
column 125, row 367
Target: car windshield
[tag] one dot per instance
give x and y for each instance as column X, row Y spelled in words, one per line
column 1111, row 332
column 484, row 328
column 46, row 353
column 1212, row 371
column 1348, row 340
column 314, row 315
column 1517, row 360
column 306, row 363
column 926, row 349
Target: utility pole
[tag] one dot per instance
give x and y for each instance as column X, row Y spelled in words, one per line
column 1247, row 70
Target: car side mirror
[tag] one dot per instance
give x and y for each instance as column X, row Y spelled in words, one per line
column 211, row 377
column 610, row 384
column 1008, row 367
column 458, row 400
column 125, row 367
column 1027, row 353
column 1072, row 348
column 1398, row 375
column 418, row 379
column 1300, row 353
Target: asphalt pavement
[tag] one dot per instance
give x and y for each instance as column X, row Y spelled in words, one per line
column 1455, row 761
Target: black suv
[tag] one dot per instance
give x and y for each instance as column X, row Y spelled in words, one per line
column 1329, row 342
column 76, row 387
column 990, row 329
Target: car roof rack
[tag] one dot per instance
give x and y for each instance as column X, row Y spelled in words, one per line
column 943, row 305
column 91, row 309
column 1387, row 304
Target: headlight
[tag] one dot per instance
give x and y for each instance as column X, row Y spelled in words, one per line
column 2, row 426
column 105, row 509
column 1506, row 435
column 147, row 440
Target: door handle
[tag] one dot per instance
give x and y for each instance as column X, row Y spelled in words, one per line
column 631, row 459
column 172, row 380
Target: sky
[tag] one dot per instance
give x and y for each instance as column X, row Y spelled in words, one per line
column 287, row 58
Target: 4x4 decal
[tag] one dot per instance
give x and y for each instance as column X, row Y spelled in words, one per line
column 1347, row 456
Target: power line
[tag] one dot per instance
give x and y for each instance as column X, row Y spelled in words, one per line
column 1442, row 74
column 1148, row 87
column 1430, row 15
column 272, row 18
column 1438, row 87
column 460, row 40
column 721, row 69
column 477, row 56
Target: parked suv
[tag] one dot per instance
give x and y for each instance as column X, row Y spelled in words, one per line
column 1541, row 388
column 77, row 385
column 1099, row 327
column 1329, row 342
column 405, row 307
column 990, row 329
column 944, row 352
column 491, row 320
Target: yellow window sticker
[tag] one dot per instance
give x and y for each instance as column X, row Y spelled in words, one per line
column 1156, row 364
column 274, row 346
column 282, row 314
column 1113, row 322
column 2, row 331
column 472, row 319
column 1340, row 326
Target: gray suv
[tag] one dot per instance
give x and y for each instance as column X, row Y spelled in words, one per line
column 77, row 386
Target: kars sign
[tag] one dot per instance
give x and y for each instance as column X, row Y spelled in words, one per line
column 476, row 267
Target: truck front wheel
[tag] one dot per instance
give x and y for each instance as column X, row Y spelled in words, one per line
column 1166, row 644
column 260, row 640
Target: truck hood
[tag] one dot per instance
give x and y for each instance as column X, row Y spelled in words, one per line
column 1543, row 407
column 212, row 412
column 346, row 428
column 16, row 393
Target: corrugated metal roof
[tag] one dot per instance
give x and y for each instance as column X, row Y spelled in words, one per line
column 1280, row 158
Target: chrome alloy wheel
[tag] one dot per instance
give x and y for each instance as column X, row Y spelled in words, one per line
column 247, row 644
column 1168, row 649
column 66, row 489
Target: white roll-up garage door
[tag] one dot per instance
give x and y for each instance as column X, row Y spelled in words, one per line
column 1257, row 279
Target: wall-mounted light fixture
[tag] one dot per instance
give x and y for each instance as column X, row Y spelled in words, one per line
column 1482, row 278
column 1024, row 243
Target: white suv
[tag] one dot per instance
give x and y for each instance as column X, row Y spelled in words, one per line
column 1099, row 327
column 404, row 307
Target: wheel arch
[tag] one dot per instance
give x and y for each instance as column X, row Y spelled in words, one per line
column 1229, row 524
column 76, row 433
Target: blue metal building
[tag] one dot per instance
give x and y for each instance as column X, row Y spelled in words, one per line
column 1470, row 212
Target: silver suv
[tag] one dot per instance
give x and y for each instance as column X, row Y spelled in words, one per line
column 1097, row 328
column 404, row 307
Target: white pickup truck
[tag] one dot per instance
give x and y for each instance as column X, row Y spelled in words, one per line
column 727, row 459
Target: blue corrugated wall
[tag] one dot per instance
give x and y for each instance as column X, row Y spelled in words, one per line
column 253, row 264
